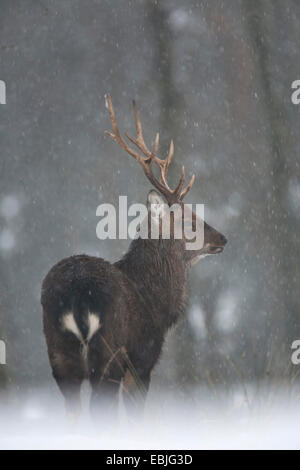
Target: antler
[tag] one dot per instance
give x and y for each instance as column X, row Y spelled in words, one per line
column 171, row 195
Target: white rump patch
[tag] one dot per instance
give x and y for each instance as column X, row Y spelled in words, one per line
column 70, row 324
column 94, row 325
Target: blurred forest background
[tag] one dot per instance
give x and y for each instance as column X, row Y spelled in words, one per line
column 216, row 77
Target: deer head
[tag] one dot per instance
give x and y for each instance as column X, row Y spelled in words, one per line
column 213, row 241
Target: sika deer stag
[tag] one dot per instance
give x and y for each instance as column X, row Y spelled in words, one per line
column 107, row 322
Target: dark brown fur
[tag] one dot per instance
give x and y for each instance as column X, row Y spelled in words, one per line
column 137, row 299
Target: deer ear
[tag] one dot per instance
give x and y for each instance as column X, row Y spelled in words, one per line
column 155, row 198
column 156, row 204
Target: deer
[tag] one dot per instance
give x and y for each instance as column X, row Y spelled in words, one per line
column 107, row 322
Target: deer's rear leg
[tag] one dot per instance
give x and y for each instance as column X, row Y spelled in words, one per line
column 69, row 373
column 104, row 402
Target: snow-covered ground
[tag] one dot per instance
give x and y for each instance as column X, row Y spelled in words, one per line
column 200, row 422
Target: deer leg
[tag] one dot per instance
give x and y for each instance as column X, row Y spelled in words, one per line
column 104, row 402
column 69, row 374
column 135, row 393
column 71, row 392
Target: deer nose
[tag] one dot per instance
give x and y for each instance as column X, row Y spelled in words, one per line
column 223, row 240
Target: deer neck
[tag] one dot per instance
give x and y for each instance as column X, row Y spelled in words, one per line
column 157, row 271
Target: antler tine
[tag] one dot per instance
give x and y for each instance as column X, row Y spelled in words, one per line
column 155, row 146
column 162, row 164
column 139, row 131
column 170, row 156
column 151, row 156
column 139, row 141
column 188, row 187
column 116, row 136
column 166, row 163
column 178, row 189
